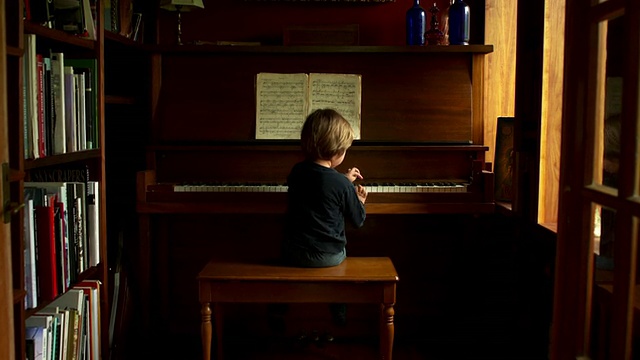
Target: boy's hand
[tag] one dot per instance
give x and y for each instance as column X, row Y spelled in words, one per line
column 362, row 193
column 353, row 174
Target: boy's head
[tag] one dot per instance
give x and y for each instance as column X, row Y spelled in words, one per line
column 325, row 134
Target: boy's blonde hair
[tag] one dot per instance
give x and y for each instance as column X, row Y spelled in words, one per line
column 325, row 133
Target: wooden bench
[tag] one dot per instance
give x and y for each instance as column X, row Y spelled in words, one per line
column 356, row 280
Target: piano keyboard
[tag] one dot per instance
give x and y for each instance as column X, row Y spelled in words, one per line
column 372, row 188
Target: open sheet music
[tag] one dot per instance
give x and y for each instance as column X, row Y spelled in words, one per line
column 283, row 101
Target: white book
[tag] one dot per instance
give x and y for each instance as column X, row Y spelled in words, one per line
column 70, row 108
column 89, row 24
column 31, row 70
column 46, row 323
column 36, row 337
column 57, row 82
column 81, row 222
column 93, row 221
column 31, row 280
column 81, row 116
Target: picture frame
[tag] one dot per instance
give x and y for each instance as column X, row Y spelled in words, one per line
column 504, row 159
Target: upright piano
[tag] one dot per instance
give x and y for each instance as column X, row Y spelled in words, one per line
column 210, row 185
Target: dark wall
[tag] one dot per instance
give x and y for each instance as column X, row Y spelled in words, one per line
column 264, row 21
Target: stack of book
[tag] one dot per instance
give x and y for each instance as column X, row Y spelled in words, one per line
column 67, row 328
column 62, row 226
column 60, row 104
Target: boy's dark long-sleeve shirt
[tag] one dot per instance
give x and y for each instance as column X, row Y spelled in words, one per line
column 320, row 199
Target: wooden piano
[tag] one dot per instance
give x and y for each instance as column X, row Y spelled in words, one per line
column 210, row 189
column 252, row 179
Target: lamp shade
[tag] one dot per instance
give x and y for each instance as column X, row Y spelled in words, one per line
column 183, row 5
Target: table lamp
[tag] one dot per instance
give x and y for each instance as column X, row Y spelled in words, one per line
column 180, row 6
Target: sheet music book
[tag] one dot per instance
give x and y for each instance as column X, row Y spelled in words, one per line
column 283, row 101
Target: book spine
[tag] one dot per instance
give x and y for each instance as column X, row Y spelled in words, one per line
column 30, row 255
column 46, row 253
column 31, row 69
column 58, row 85
column 70, row 108
column 41, row 106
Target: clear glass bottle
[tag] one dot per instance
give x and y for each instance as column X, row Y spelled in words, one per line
column 416, row 24
column 444, row 24
column 459, row 18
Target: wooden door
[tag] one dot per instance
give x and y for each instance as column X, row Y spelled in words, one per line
column 7, row 348
column 599, row 212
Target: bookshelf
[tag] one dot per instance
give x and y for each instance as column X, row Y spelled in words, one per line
column 87, row 153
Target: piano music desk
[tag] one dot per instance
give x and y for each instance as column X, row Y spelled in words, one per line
column 356, row 280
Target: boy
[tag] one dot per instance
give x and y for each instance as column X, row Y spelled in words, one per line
column 320, row 199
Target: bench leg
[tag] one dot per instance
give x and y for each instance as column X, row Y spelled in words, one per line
column 386, row 331
column 205, row 331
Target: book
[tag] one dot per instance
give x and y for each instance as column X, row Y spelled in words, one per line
column 73, row 300
column 79, row 211
column 81, row 110
column 60, row 173
column 88, row 67
column 70, row 88
column 41, row 106
column 31, row 284
column 49, row 110
column 63, row 328
column 107, row 15
column 283, row 101
column 93, row 222
column 44, row 322
column 31, row 71
column 46, row 243
column 57, row 84
column 88, row 20
column 34, row 341
column 62, row 245
column 61, row 220
column 91, row 289
column 72, row 335
column 59, row 331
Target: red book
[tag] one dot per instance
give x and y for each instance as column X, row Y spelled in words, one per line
column 46, row 263
column 27, row 10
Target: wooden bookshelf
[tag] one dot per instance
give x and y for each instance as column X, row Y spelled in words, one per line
column 48, row 40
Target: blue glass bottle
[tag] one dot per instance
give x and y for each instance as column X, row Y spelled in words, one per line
column 416, row 24
column 459, row 17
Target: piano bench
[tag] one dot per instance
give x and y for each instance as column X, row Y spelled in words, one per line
column 356, row 280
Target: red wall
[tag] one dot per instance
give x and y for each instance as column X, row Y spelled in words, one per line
column 245, row 20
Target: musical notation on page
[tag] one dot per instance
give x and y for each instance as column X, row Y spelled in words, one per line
column 284, row 100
